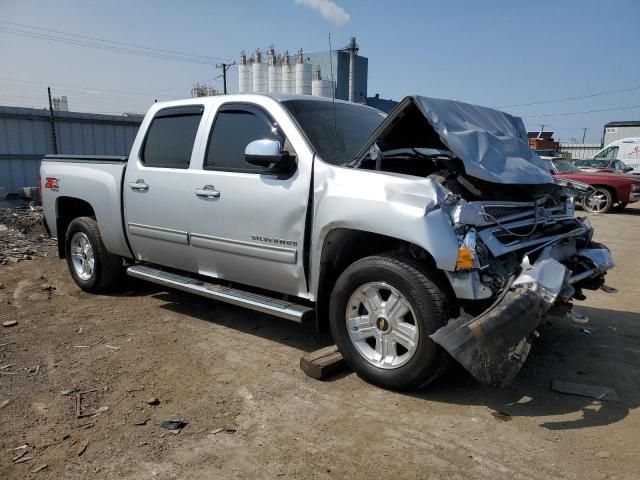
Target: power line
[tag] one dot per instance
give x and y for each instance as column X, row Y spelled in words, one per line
column 566, row 99
column 578, row 113
column 130, row 45
column 81, row 43
column 81, row 89
column 91, row 89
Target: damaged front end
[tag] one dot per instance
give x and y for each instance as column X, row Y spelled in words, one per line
column 494, row 345
column 522, row 253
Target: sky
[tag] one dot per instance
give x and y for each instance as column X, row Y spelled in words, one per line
column 530, row 58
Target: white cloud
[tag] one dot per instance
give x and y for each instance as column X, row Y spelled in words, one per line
column 328, row 9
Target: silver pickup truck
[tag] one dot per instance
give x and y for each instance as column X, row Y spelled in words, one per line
column 430, row 233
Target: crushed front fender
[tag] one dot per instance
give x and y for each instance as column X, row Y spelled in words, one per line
column 494, row 345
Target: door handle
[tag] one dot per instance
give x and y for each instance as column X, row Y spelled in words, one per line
column 139, row 185
column 208, row 191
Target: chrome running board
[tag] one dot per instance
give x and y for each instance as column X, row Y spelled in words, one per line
column 253, row 301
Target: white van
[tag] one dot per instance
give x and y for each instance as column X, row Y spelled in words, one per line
column 626, row 150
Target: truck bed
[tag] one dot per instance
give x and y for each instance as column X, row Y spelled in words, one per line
column 95, row 180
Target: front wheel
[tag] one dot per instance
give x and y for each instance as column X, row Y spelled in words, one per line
column 383, row 309
column 600, row 200
column 92, row 267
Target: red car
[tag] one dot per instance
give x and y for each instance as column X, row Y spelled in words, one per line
column 609, row 189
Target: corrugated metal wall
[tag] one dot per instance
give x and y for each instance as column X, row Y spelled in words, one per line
column 25, row 137
column 579, row 150
column 611, row 134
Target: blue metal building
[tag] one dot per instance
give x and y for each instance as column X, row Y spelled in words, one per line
column 26, row 136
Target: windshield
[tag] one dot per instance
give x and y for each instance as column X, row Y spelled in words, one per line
column 564, row 166
column 592, row 163
column 336, row 134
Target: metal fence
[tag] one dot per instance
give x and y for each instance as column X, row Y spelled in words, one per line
column 26, row 136
column 579, row 150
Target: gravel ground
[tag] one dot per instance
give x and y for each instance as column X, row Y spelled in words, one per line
column 232, row 376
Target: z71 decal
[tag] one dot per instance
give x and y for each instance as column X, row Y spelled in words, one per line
column 52, row 184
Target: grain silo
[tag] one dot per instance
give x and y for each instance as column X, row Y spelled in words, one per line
column 320, row 87
column 288, row 75
column 260, row 76
column 303, row 75
column 275, row 72
column 245, row 75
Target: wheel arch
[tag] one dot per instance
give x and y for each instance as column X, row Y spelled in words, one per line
column 67, row 209
column 612, row 190
column 344, row 246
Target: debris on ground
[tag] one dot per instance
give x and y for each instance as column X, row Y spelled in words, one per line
column 577, row 317
column 142, row 420
column 582, row 390
column 173, row 424
column 19, row 456
column 23, row 235
column 322, row 363
column 90, row 345
column 9, row 323
column 23, row 459
column 83, row 447
column 602, row 454
column 39, row 468
column 153, row 401
column 4, row 403
column 80, row 413
column 505, row 417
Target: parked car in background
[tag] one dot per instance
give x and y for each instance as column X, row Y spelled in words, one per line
column 609, row 189
column 602, row 166
column 624, row 149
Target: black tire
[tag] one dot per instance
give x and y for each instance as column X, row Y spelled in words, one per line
column 108, row 269
column 428, row 302
column 605, row 195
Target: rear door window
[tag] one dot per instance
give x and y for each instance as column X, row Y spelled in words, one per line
column 236, row 126
column 171, row 136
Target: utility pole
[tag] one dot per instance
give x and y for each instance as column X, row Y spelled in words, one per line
column 225, row 67
column 53, row 123
column 584, row 133
column 542, row 125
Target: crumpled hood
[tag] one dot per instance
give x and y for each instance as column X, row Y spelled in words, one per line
column 492, row 145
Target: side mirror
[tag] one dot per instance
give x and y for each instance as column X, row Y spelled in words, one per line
column 268, row 154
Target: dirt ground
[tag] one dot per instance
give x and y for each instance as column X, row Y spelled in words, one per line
column 232, row 376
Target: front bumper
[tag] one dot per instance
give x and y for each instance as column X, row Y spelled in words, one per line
column 494, row 345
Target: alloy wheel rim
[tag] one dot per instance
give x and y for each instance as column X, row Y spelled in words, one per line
column 382, row 325
column 596, row 202
column 82, row 256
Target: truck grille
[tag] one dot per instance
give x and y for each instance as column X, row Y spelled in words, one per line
column 497, row 211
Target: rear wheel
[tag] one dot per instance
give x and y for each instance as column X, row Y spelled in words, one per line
column 600, row 200
column 383, row 309
column 92, row 267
